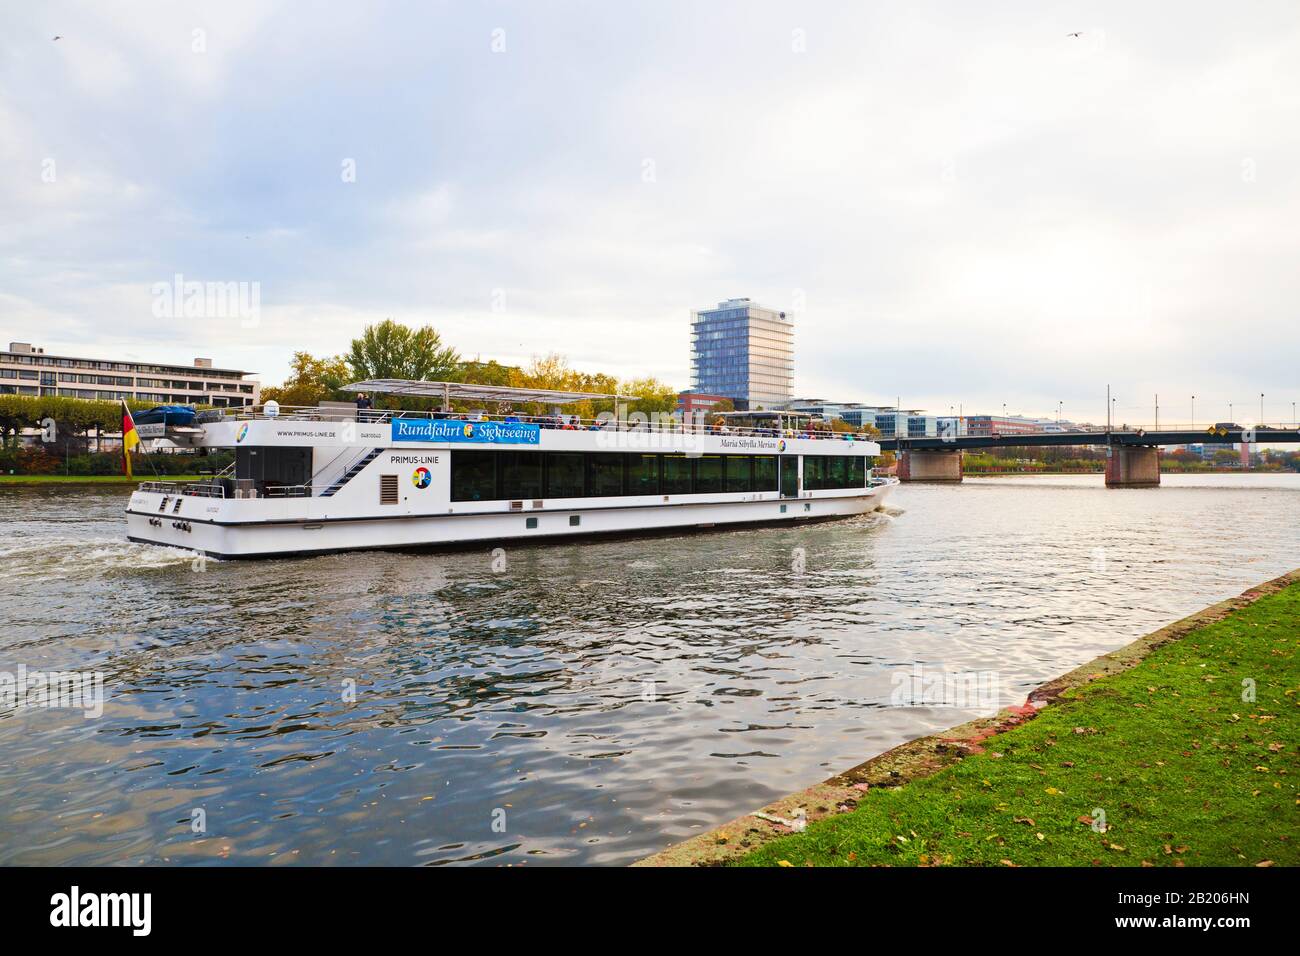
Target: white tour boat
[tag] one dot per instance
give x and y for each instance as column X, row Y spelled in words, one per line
column 335, row 478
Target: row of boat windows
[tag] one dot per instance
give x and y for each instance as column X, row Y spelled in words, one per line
column 500, row 476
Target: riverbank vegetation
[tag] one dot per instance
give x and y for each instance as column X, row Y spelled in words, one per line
column 1188, row 758
column 86, row 479
column 64, row 459
column 1081, row 461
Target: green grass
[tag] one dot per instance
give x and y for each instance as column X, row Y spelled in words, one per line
column 1186, row 771
column 91, row 479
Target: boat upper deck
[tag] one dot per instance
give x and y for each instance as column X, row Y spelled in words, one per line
column 791, row 427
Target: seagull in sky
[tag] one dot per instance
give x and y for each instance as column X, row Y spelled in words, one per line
column 1077, row 33
column 60, row 37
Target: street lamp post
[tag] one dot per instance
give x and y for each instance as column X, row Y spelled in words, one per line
column 1193, row 413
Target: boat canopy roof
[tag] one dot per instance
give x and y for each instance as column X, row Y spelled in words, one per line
column 763, row 414
column 464, row 391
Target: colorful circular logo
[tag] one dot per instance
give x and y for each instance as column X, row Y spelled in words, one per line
column 469, row 430
column 421, row 478
column 242, row 432
column 781, row 445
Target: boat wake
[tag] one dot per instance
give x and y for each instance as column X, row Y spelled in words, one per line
column 40, row 557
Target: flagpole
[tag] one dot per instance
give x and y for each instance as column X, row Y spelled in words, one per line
column 130, row 438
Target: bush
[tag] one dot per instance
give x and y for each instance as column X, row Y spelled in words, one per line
column 37, row 460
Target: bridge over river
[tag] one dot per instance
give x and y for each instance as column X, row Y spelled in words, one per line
column 1133, row 460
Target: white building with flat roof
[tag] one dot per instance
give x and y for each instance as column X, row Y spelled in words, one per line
column 26, row 369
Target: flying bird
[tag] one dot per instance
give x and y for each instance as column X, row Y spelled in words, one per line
column 60, row 37
column 1075, row 34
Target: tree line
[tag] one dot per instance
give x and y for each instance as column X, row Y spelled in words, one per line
column 391, row 350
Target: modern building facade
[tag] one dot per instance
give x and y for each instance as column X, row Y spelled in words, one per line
column 744, row 352
column 25, row 369
column 990, row 425
column 890, row 421
column 906, row 423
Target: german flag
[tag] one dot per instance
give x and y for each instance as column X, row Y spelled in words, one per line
column 130, row 437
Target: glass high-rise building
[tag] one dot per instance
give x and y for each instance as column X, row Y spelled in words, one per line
column 743, row 351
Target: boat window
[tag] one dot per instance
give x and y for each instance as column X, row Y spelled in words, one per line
column 826, row 472
column 837, row 471
column 520, row 473
column 739, row 471
column 605, row 475
column 857, row 471
column 643, row 475
column 814, row 471
column 708, row 473
column 565, row 475
column 677, row 475
column 512, row 476
column 473, row 476
column 273, row 466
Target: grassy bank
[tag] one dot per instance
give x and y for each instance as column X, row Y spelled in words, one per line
column 91, row 479
column 1185, row 771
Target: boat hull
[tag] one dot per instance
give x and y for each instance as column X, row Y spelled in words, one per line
column 289, row 536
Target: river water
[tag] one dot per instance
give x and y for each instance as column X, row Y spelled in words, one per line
column 586, row 703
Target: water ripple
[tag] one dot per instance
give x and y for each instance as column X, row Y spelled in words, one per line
column 590, row 705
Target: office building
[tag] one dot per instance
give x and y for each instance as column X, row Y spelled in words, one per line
column 744, row 352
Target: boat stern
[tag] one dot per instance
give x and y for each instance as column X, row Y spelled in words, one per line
column 176, row 516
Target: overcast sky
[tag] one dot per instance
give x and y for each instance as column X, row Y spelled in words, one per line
column 959, row 203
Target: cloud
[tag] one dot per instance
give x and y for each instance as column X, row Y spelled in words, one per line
column 976, row 208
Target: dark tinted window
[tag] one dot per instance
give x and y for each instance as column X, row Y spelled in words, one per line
column 823, row 472
column 814, row 470
column 857, row 471
column 765, row 473
column 520, row 474
column 605, row 475
column 565, row 474
column 473, row 475
column 677, row 475
column 739, row 472
column 837, row 471
column 643, row 474
column 708, row 473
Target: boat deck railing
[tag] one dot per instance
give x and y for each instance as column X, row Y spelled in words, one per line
column 199, row 489
column 634, row 423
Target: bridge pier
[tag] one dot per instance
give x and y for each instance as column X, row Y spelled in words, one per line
column 931, row 465
column 1132, row 466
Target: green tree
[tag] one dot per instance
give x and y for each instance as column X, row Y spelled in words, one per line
column 485, row 373
column 392, row 350
column 650, row 394
column 311, row 381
